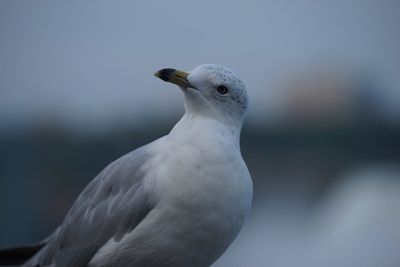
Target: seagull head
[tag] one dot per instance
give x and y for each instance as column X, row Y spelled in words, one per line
column 211, row 90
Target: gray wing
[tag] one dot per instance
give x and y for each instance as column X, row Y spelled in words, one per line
column 110, row 206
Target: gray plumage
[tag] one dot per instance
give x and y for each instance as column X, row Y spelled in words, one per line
column 117, row 194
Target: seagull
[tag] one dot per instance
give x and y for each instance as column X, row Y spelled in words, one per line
column 178, row 201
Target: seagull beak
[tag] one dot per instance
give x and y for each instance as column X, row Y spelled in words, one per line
column 174, row 76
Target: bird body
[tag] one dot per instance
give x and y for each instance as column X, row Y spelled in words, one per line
column 195, row 214
column 178, row 201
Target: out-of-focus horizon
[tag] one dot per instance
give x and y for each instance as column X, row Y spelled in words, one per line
column 322, row 137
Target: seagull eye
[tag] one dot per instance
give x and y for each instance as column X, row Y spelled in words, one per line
column 222, row 90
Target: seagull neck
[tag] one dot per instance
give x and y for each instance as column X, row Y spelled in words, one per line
column 203, row 125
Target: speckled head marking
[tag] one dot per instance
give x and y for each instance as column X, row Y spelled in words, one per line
column 217, row 92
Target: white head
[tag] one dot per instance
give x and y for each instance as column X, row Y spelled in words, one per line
column 211, row 90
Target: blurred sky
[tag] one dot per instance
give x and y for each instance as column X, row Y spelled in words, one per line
column 85, row 63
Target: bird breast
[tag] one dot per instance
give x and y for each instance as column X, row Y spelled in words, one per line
column 205, row 180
